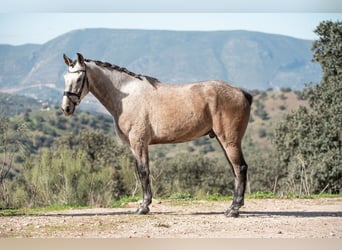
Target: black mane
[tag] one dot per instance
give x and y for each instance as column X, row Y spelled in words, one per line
column 110, row 66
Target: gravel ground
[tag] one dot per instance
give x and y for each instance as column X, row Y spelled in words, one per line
column 259, row 218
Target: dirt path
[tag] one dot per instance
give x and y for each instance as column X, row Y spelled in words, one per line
column 262, row 218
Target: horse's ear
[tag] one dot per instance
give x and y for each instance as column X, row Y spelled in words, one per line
column 80, row 59
column 67, row 60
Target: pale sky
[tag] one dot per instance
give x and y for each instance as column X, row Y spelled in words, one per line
column 21, row 28
column 21, row 23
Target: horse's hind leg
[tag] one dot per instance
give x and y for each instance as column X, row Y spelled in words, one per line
column 235, row 158
column 240, row 172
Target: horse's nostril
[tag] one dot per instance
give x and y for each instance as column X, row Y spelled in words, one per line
column 67, row 109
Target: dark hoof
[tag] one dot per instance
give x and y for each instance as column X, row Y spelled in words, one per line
column 142, row 210
column 232, row 213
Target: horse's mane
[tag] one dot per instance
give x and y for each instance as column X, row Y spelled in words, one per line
column 153, row 81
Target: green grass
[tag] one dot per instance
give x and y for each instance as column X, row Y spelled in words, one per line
column 33, row 211
column 313, row 196
column 175, row 197
column 124, row 201
column 271, row 195
column 261, row 195
column 268, row 195
column 217, row 197
column 181, row 196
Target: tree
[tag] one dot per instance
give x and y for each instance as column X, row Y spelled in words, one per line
column 308, row 141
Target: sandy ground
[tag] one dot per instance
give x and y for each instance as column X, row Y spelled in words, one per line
column 260, row 218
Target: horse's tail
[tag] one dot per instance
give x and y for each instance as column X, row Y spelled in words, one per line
column 248, row 96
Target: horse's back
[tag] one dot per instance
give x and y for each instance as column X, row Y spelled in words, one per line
column 217, row 95
column 184, row 112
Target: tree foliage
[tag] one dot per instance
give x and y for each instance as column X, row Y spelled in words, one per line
column 308, row 141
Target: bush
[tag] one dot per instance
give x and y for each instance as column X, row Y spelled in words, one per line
column 285, row 89
column 87, row 170
column 260, row 111
column 282, row 107
column 262, row 132
column 194, row 175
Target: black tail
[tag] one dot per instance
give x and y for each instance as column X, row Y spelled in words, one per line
column 248, row 96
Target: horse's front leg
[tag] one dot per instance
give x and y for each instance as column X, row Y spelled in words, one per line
column 140, row 152
column 144, row 176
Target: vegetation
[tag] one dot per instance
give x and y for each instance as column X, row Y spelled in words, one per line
column 308, row 141
column 49, row 160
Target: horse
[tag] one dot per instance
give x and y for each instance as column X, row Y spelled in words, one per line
column 146, row 112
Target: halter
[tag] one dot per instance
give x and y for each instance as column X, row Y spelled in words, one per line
column 68, row 94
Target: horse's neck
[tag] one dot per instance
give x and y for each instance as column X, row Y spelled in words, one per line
column 106, row 86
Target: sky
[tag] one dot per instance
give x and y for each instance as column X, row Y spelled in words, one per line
column 47, row 21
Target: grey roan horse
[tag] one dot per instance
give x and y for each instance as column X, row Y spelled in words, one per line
column 146, row 112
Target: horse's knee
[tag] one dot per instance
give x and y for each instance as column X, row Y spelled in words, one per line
column 143, row 170
column 243, row 169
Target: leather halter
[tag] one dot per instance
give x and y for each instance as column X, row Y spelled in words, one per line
column 78, row 95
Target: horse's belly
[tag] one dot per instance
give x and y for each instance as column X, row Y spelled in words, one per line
column 180, row 114
column 180, row 128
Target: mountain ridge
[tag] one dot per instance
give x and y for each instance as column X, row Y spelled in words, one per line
column 248, row 59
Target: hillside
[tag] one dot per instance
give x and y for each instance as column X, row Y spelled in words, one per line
column 45, row 123
column 43, row 127
column 250, row 60
column 11, row 105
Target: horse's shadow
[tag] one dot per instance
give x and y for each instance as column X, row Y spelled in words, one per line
column 243, row 214
column 302, row 214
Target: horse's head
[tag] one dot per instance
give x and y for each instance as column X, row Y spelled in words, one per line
column 76, row 84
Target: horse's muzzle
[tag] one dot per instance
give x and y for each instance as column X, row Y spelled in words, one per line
column 68, row 107
column 66, row 111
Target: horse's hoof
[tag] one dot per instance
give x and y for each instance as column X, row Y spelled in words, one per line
column 232, row 213
column 142, row 210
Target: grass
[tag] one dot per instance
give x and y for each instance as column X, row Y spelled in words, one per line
column 313, row 196
column 217, row 197
column 124, row 201
column 261, row 195
column 163, row 225
column 33, row 211
column 270, row 195
column 179, row 197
